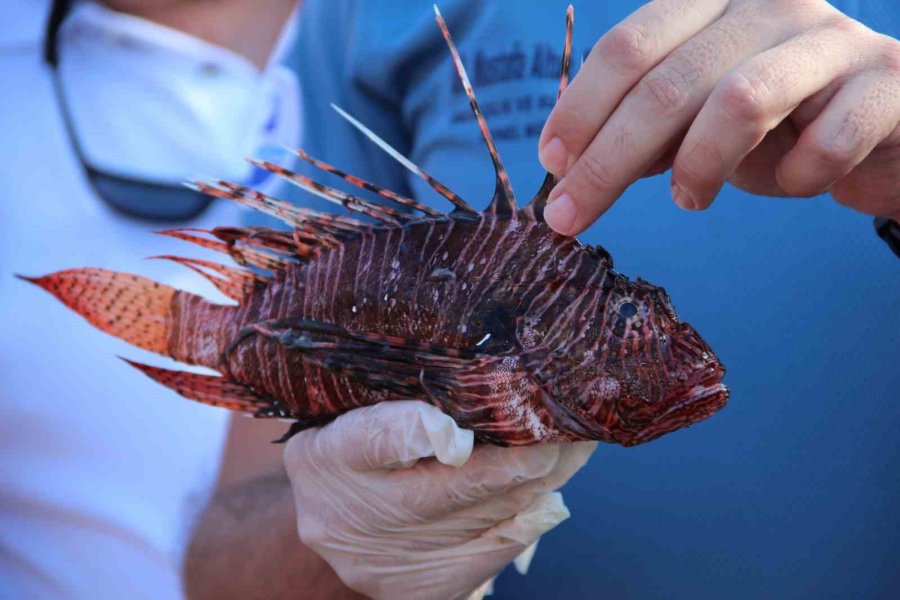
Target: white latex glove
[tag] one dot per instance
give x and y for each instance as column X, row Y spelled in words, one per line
column 394, row 526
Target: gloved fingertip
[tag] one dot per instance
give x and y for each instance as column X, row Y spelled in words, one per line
column 523, row 561
column 542, row 515
column 538, row 461
column 581, row 452
column 452, row 445
column 485, row 589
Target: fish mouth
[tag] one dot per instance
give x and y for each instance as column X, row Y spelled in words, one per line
column 709, row 389
column 687, row 405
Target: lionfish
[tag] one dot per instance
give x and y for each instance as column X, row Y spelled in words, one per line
column 518, row 333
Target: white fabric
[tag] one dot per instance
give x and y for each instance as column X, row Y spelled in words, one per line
column 392, row 525
column 173, row 107
column 101, row 469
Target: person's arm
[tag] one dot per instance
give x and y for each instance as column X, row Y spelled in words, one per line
column 245, row 544
column 393, row 496
column 786, row 98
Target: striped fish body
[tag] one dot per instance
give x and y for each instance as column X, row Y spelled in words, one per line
column 484, row 294
column 520, row 334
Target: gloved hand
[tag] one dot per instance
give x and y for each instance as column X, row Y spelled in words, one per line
column 394, row 523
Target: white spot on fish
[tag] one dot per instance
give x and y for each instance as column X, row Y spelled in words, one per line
column 465, row 285
column 385, row 297
column 464, row 328
column 606, row 388
column 354, row 309
column 446, row 254
column 484, row 339
column 395, row 263
column 470, row 267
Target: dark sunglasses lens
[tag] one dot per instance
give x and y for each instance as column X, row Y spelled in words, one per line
column 148, row 200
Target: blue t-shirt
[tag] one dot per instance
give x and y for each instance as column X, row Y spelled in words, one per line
column 793, row 490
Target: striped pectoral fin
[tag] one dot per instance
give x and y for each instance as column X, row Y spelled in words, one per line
column 213, row 390
column 404, row 367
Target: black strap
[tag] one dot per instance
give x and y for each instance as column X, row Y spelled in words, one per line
column 58, row 12
column 889, row 231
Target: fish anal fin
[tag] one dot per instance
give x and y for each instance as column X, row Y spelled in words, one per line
column 212, row 390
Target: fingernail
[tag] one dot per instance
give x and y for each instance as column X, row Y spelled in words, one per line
column 553, row 156
column 682, row 198
column 560, row 214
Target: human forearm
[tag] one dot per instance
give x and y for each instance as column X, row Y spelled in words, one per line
column 246, row 546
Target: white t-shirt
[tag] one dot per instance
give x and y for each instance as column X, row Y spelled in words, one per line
column 101, row 470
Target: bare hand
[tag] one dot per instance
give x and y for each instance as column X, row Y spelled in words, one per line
column 777, row 97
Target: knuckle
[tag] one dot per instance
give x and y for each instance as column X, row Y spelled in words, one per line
column 689, row 170
column 843, row 24
column 570, row 118
column 628, row 46
column 890, row 57
column 803, row 8
column 700, row 166
column 839, row 148
column 596, row 172
column 665, row 89
column 744, row 97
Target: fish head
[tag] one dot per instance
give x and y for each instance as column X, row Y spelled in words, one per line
column 647, row 374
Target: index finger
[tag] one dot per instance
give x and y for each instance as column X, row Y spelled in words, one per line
column 616, row 63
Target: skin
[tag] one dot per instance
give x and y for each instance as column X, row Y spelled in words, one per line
column 248, row 27
column 776, row 97
column 245, row 545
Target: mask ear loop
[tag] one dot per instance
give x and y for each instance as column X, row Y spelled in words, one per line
column 58, row 12
column 198, row 202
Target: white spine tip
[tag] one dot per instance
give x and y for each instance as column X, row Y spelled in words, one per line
column 437, row 11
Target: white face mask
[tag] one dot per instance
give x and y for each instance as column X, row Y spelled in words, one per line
column 151, row 102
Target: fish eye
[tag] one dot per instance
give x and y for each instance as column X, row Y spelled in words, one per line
column 627, row 310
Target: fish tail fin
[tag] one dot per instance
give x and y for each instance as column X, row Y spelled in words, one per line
column 132, row 308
